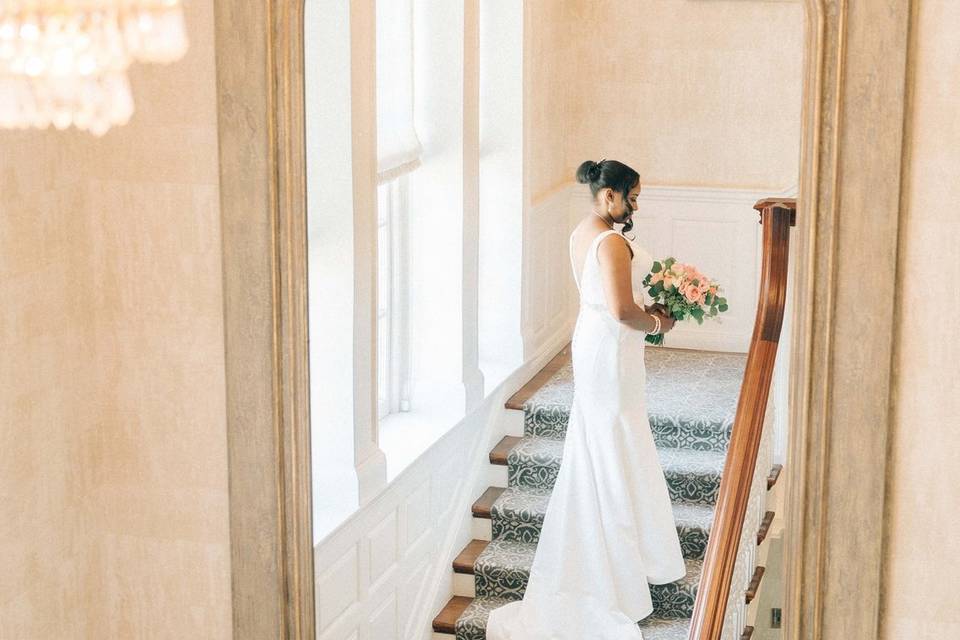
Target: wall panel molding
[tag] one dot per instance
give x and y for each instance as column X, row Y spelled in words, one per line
column 548, row 289
column 259, row 52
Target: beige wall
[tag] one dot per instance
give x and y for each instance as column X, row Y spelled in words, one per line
column 686, row 92
column 555, row 45
column 922, row 554
column 113, row 518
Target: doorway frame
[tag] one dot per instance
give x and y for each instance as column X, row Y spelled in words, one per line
column 852, row 162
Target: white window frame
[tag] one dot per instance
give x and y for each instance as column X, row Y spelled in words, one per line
column 393, row 338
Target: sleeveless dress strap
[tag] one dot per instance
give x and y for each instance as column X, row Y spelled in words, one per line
column 600, row 236
column 591, row 252
column 573, row 265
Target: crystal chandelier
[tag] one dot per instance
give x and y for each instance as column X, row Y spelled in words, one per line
column 65, row 62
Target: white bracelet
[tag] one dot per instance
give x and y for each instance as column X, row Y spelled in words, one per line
column 656, row 327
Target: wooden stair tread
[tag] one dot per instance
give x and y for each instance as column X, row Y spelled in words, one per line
column 498, row 455
column 446, row 620
column 765, row 527
column 464, row 562
column 774, row 475
column 518, row 399
column 755, row 583
column 747, row 633
column 484, row 504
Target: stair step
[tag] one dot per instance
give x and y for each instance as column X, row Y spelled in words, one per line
column 503, row 568
column 463, row 563
column 693, row 477
column 470, row 622
column 692, row 398
column 483, row 506
column 446, row 620
column 765, row 527
column 676, row 599
column 755, row 583
column 774, row 476
column 501, row 451
column 657, row 628
column 562, row 359
column 520, row 512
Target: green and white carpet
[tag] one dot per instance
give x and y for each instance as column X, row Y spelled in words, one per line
column 691, row 398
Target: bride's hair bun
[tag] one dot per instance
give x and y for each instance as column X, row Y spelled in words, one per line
column 589, row 172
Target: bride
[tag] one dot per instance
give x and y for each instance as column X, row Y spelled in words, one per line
column 608, row 532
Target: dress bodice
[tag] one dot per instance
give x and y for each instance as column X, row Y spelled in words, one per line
column 591, row 286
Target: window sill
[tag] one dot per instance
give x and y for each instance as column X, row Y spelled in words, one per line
column 405, row 436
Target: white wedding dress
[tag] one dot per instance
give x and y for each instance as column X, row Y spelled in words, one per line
column 608, row 531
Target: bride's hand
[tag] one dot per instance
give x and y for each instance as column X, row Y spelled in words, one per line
column 666, row 321
column 657, row 307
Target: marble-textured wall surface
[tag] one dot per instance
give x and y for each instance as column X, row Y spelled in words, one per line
column 557, row 43
column 688, row 93
column 114, row 513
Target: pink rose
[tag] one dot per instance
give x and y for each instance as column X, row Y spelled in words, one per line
column 656, row 277
column 692, row 293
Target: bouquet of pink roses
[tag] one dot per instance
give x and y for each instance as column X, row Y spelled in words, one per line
column 682, row 291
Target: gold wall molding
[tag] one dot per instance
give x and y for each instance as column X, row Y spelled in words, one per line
column 259, row 52
column 852, row 154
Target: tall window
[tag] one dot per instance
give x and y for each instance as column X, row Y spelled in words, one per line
column 398, row 154
column 393, row 344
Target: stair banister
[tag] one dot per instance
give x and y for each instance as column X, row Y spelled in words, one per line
column 777, row 215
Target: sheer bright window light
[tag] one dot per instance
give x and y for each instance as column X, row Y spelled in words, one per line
column 398, row 154
column 65, row 62
column 398, row 148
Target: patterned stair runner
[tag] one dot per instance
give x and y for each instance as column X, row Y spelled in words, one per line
column 691, row 398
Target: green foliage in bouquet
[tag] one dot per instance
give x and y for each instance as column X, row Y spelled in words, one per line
column 684, row 291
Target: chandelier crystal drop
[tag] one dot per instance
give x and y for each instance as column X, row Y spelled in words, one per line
column 65, row 62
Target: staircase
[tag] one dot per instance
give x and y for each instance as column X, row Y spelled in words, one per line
column 691, row 397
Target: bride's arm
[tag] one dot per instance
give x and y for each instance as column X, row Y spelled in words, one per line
column 614, row 258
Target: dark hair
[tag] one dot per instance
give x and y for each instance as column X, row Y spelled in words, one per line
column 609, row 173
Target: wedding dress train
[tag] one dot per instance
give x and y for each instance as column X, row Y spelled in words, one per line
column 608, row 531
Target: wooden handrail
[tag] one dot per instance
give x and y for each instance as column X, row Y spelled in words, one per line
column 776, row 216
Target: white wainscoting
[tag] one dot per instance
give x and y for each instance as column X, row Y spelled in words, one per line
column 387, row 570
column 549, row 292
